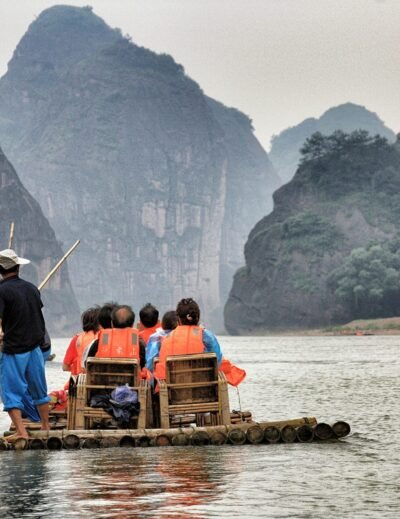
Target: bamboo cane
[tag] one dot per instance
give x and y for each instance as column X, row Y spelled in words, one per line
column 145, row 435
column 54, row 270
column 11, row 238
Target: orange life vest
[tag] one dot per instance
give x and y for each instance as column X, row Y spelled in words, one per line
column 145, row 333
column 82, row 342
column 119, row 343
column 184, row 340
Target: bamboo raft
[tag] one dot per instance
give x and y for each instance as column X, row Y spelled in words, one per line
column 302, row 430
column 192, row 409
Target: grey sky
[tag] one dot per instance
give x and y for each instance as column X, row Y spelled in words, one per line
column 279, row 61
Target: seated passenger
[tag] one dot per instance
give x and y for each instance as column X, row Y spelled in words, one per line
column 76, row 349
column 188, row 337
column 114, row 342
column 169, row 322
column 148, row 321
column 105, row 314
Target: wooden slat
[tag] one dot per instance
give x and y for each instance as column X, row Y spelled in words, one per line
column 190, row 385
column 93, row 386
column 115, row 373
column 193, row 408
column 192, row 370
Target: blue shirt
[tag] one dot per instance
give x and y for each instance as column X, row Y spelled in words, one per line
column 153, row 346
column 212, row 345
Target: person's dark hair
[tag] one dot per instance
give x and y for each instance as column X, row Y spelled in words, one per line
column 148, row 315
column 188, row 311
column 169, row 320
column 90, row 319
column 105, row 314
column 4, row 271
column 122, row 316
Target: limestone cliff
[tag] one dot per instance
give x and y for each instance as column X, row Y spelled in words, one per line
column 35, row 240
column 248, row 166
column 134, row 159
column 348, row 117
column 344, row 196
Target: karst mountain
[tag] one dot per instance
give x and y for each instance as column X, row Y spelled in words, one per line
column 123, row 150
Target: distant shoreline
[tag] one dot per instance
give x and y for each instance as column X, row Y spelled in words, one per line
column 384, row 326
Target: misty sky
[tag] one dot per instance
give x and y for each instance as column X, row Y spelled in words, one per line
column 279, row 61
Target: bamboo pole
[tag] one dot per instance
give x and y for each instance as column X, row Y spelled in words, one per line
column 162, row 440
column 237, row 436
column 11, row 237
column 145, row 435
column 127, row 441
column 255, row 434
column 218, row 438
column 200, row 437
column 288, row 434
column 54, row 270
column 305, row 433
column 180, row 439
column 272, row 434
column 341, row 429
column 323, row 431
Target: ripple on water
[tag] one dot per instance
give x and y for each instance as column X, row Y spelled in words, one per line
column 355, row 379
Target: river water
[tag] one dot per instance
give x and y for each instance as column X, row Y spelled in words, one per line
column 356, row 379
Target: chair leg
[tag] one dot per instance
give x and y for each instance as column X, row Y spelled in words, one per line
column 164, row 414
column 143, row 404
column 223, row 396
column 149, row 410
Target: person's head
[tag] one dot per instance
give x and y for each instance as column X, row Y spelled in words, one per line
column 12, row 270
column 188, row 312
column 90, row 319
column 169, row 320
column 148, row 315
column 105, row 314
column 122, row 317
column 10, row 262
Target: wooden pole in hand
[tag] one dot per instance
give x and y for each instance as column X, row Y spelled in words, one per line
column 11, row 238
column 54, row 270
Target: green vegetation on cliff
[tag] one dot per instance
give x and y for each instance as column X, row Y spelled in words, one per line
column 285, row 147
column 328, row 253
column 368, row 281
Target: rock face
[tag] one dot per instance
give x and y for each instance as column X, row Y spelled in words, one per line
column 35, row 240
column 348, row 117
column 344, row 195
column 161, row 183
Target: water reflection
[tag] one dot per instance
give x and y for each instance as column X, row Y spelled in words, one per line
column 167, row 481
column 328, row 377
column 24, row 477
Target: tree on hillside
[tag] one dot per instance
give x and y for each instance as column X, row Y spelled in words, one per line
column 368, row 281
column 318, row 145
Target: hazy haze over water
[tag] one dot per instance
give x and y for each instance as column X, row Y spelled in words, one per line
column 279, row 61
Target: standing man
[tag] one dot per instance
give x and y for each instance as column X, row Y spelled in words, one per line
column 22, row 335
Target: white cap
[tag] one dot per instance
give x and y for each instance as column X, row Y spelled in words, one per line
column 9, row 259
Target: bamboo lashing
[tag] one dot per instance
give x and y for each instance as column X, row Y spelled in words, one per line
column 54, row 270
column 11, row 237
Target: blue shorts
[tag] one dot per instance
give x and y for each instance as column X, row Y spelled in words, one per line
column 20, row 373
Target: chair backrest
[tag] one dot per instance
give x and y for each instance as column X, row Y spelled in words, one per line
column 192, row 379
column 112, row 372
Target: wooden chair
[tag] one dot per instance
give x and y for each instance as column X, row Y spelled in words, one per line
column 194, row 392
column 105, row 374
